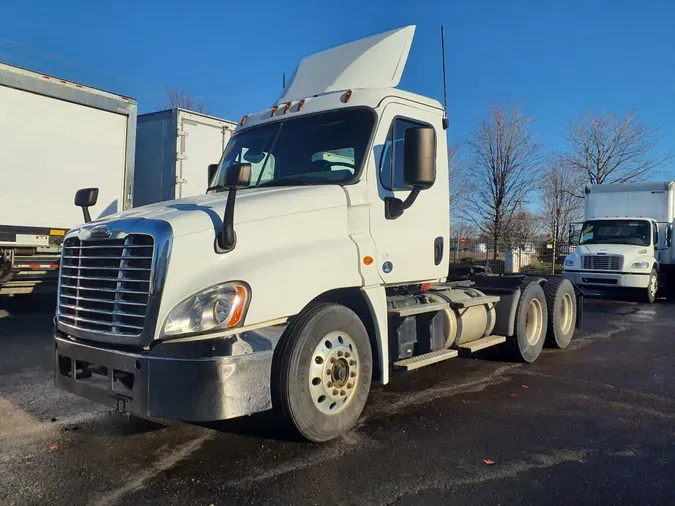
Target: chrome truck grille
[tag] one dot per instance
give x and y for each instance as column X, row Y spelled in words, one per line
column 105, row 284
column 602, row 262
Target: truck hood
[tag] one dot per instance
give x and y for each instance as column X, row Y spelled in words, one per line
column 205, row 212
column 611, row 249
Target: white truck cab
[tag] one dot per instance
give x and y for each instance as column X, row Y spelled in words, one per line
column 625, row 239
column 316, row 262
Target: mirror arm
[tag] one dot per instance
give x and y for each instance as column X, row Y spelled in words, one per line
column 87, row 216
column 394, row 207
column 227, row 239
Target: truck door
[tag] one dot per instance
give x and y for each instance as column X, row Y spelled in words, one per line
column 414, row 246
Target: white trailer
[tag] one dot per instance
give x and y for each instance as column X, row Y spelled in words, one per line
column 316, row 263
column 57, row 136
column 172, row 149
column 625, row 240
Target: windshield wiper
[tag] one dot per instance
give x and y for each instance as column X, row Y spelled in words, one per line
column 285, row 182
column 218, row 187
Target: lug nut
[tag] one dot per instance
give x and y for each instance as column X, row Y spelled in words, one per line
column 342, row 392
column 329, row 372
column 352, row 362
column 347, row 354
column 332, row 360
column 350, row 385
column 330, row 384
column 340, row 353
column 335, row 392
column 352, row 374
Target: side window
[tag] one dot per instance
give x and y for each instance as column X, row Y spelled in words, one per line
column 656, row 234
column 391, row 162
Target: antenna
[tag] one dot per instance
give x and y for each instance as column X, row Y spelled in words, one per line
column 283, row 80
column 445, row 86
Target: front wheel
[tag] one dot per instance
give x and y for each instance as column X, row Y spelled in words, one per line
column 322, row 372
column 649, row 294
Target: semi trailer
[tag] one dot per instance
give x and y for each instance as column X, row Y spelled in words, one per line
column 172, row 149
column 316, row 262
column 57, row 136
column 625, row 241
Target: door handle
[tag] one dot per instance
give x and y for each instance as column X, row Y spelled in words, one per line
column 438, row 250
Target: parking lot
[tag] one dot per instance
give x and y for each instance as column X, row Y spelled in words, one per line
column 591, row 424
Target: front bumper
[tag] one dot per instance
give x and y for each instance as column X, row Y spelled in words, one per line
column 607, row 279
column 189, row 389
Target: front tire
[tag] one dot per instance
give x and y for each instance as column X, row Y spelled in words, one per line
column 649, row 293
column 322, row 372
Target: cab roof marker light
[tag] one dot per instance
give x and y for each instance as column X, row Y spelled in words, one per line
column 347, row 96
column 275, row 109
column 301, row 104
column 288, row 107
column 243, row 120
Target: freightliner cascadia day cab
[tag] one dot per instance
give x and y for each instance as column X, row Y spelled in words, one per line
column 172, row 149
column 57, row 136
column 625, row 241
column 316, row 262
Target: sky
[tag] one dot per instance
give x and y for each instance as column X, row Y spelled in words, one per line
column 558, row 59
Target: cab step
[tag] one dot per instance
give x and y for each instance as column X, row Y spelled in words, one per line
column 412, row 363
column 481, row 344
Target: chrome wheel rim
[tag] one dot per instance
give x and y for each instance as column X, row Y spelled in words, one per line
column 566, row 313
column 334, row 373
column 653, row 286
column 533, row 321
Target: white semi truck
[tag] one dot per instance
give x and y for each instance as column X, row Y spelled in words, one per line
column 172, row 149
column 625, row 241
column 316, row 262
column 57, row 136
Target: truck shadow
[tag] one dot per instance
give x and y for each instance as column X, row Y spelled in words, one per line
column 265, row 425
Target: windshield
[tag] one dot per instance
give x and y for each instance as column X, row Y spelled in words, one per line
column 635, row 232
column 324, row 148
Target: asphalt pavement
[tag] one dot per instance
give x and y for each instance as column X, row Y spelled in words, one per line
column 592, row 424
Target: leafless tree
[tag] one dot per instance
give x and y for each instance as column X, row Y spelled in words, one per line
column 523, row 229
column 606, row 148
column 457, row 176
column 560, row 205
column 505, row 159
column 184, row 100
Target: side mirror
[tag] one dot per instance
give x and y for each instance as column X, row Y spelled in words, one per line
column 86, row 198
column 237, row 176
column 419, row 168
column 419, row 157
column 669, row 235
column 213, row 168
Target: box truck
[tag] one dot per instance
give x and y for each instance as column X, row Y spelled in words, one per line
column 625, row 241
column 172, row 149
column 57, row 136
column 316, row 262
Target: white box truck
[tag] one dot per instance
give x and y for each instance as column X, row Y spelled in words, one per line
column 316, row 262
column 625, row 240
column 57, row 136
column 172, row 149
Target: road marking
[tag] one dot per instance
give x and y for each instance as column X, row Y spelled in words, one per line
column 163, row 463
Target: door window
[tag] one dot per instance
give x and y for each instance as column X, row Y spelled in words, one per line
column 391, row 163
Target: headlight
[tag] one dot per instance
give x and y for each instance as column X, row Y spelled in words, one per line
column 640, row 265
column 219, row 307
column 569, row 262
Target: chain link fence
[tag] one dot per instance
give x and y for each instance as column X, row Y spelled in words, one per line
column 534, row 257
